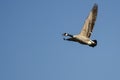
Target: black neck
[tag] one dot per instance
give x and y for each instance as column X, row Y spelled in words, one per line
column 70, row 35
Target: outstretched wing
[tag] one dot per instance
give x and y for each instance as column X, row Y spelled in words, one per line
column 90, row 22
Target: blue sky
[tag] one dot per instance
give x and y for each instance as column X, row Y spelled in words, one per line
column 32, row 48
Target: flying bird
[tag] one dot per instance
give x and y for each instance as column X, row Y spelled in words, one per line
column 84, row 36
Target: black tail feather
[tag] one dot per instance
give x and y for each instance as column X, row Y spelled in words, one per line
column 95, row 43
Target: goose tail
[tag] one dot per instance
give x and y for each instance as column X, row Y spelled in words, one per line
column 94, row 44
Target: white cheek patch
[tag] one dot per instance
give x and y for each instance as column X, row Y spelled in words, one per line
column 65, row 34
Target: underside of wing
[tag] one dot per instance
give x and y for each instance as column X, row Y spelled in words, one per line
column 90, row 22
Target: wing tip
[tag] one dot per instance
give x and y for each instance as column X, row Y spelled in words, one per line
column 95, row 6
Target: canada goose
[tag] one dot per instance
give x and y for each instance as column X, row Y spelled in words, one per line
column 84, row 36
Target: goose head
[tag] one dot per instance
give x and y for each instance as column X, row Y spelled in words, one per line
column 66, row 34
